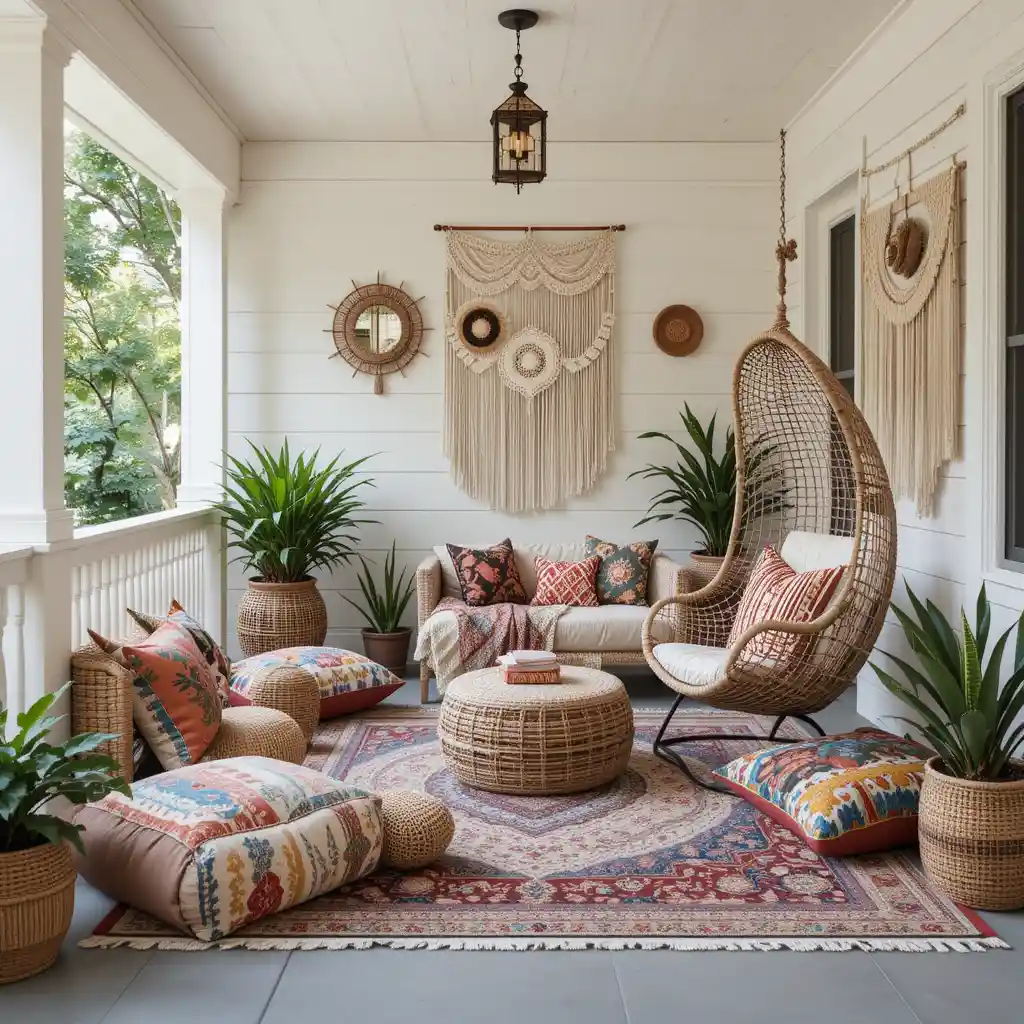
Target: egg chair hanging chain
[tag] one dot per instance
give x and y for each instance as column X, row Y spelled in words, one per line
column 785, row 251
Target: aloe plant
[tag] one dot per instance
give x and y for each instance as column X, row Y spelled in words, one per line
column 385, row 606
column 33, row 772
column 289, row 517
column 962, row 710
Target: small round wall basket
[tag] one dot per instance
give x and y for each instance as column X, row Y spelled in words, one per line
column 678, row 330
column 377, row 329
column 480, row 327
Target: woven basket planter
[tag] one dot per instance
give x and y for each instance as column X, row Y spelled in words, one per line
column 276, row 615
column 388, row 649
column 37, row 898
column 972, row 838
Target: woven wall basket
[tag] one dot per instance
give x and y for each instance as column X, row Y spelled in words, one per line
column 276, row 615
column 972, row 838
column 37, row 898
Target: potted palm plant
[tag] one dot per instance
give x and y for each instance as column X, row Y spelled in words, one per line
column 971, row 819
column 37, row 877
column 289, row 517
column 386, row 641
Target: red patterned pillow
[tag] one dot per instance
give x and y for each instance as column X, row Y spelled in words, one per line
column 488, row 575
column 777, row 591
column 572, row 583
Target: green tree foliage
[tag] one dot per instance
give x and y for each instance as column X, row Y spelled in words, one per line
column 122, row 339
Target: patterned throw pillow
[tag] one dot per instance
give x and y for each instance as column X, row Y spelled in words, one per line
column 347, row 681
column 208, row 647
column 572, row 583
column 852, row 793
column 776, row 590
column 622, row 578
column 488, row 575
column 175, row 697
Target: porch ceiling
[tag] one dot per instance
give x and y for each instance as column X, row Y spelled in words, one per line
column 652, row 70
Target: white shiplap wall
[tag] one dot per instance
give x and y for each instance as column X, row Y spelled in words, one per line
column 313, row 216
column 929, row 58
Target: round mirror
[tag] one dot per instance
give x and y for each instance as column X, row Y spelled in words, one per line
column 378, row 329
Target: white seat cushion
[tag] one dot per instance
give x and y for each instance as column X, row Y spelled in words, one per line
column 692, row 663
column 609, row 627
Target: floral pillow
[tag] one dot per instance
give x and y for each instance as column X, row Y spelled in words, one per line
column 176, row 700
column 208, row 647
column 622, row 578
column 571, row 583
column 488, row 575
column 852, row 793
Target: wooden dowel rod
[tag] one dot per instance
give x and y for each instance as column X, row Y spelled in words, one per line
column 529, row 227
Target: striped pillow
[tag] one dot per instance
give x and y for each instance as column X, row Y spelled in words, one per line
column 777, row 591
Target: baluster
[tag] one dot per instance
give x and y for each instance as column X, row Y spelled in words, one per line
column 78, row 634
column 121, row 594
column 95, row 612
column 14, row 649
column 5, row 697
column 148, row 580
column 108, row 628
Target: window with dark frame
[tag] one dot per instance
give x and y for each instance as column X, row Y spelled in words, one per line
column 842, row 290
column 1014, row 487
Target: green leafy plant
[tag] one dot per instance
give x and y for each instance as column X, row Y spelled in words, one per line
column 962, row 711
column 289, row 517
column 702, row 486
column 33, row 772
column 384, row 606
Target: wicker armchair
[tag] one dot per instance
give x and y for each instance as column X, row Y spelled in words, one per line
column 801, row 439
column 101, row 701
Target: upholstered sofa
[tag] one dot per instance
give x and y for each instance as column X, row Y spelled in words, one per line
column 606, row 635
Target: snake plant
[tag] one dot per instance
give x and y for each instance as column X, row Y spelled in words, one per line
column 384, row 606
column 968, row 719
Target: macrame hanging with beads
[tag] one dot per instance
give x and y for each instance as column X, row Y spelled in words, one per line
column 529, row 405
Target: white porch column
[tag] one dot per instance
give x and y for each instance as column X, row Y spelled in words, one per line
column 32, row 62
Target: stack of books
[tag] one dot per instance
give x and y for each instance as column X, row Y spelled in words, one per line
column 529, row 667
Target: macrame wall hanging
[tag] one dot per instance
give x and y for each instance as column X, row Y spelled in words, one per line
column 529, row 374
column 911, row 355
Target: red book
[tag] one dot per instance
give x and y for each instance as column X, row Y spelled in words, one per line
column 521, row 677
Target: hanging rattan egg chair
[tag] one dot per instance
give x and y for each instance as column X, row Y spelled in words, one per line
column 811, row 483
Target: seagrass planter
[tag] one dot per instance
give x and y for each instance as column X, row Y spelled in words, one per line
column 388, row 649
column 37, row 898
column 276, row 615
column 972, row 838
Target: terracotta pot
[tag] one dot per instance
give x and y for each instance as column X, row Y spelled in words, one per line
column 388, row 649
column 972, row 838
column 37, row 898
column 276, row 615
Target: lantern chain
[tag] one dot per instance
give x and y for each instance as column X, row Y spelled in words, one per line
column 519, row 59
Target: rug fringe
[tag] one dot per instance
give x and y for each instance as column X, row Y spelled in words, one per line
column 795, row 945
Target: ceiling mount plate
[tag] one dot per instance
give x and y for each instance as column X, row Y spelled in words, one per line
column 518, row 19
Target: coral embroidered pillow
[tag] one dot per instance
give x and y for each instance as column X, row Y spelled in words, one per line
column 852, row 793
column 488, row 575
column 208, row 647
column 777, row 591
column 573, row 583
column 175, row 696
column 622, row 578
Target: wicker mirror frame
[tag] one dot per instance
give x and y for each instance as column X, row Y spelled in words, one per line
column 349, row 345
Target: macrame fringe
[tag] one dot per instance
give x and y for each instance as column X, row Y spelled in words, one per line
column 794, row 945
column 912, row 346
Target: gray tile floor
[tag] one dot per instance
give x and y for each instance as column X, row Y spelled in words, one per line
column 122, row 986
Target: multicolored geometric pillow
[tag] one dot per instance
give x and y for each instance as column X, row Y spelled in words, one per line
column 207, row 645
column 622, row 578
column 776, row 590
column 348, row 681
column 851, row 793
column 211, row 848
column 175, row 696
column 571, row 583
column 488, row 575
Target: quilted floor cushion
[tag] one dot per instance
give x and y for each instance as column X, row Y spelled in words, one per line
column 212, row 847
column 347, row 681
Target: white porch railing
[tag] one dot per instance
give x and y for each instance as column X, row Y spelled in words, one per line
column 13, row 578
column 89, row 581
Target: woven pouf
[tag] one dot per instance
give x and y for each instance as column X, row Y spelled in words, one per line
column 257, row 732
column 536, row 740
column 417, row 828
column 285, row 687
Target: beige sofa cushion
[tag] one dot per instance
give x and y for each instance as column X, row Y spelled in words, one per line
column 610, row 627
column 692, row 663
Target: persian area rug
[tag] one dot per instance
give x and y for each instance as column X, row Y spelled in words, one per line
column 647, row 862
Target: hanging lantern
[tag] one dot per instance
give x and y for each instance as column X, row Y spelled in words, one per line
column 520, row 138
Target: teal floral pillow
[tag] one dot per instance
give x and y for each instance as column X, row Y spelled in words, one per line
column 622, row 577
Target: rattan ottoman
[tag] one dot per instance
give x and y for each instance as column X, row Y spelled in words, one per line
column 536, row 740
